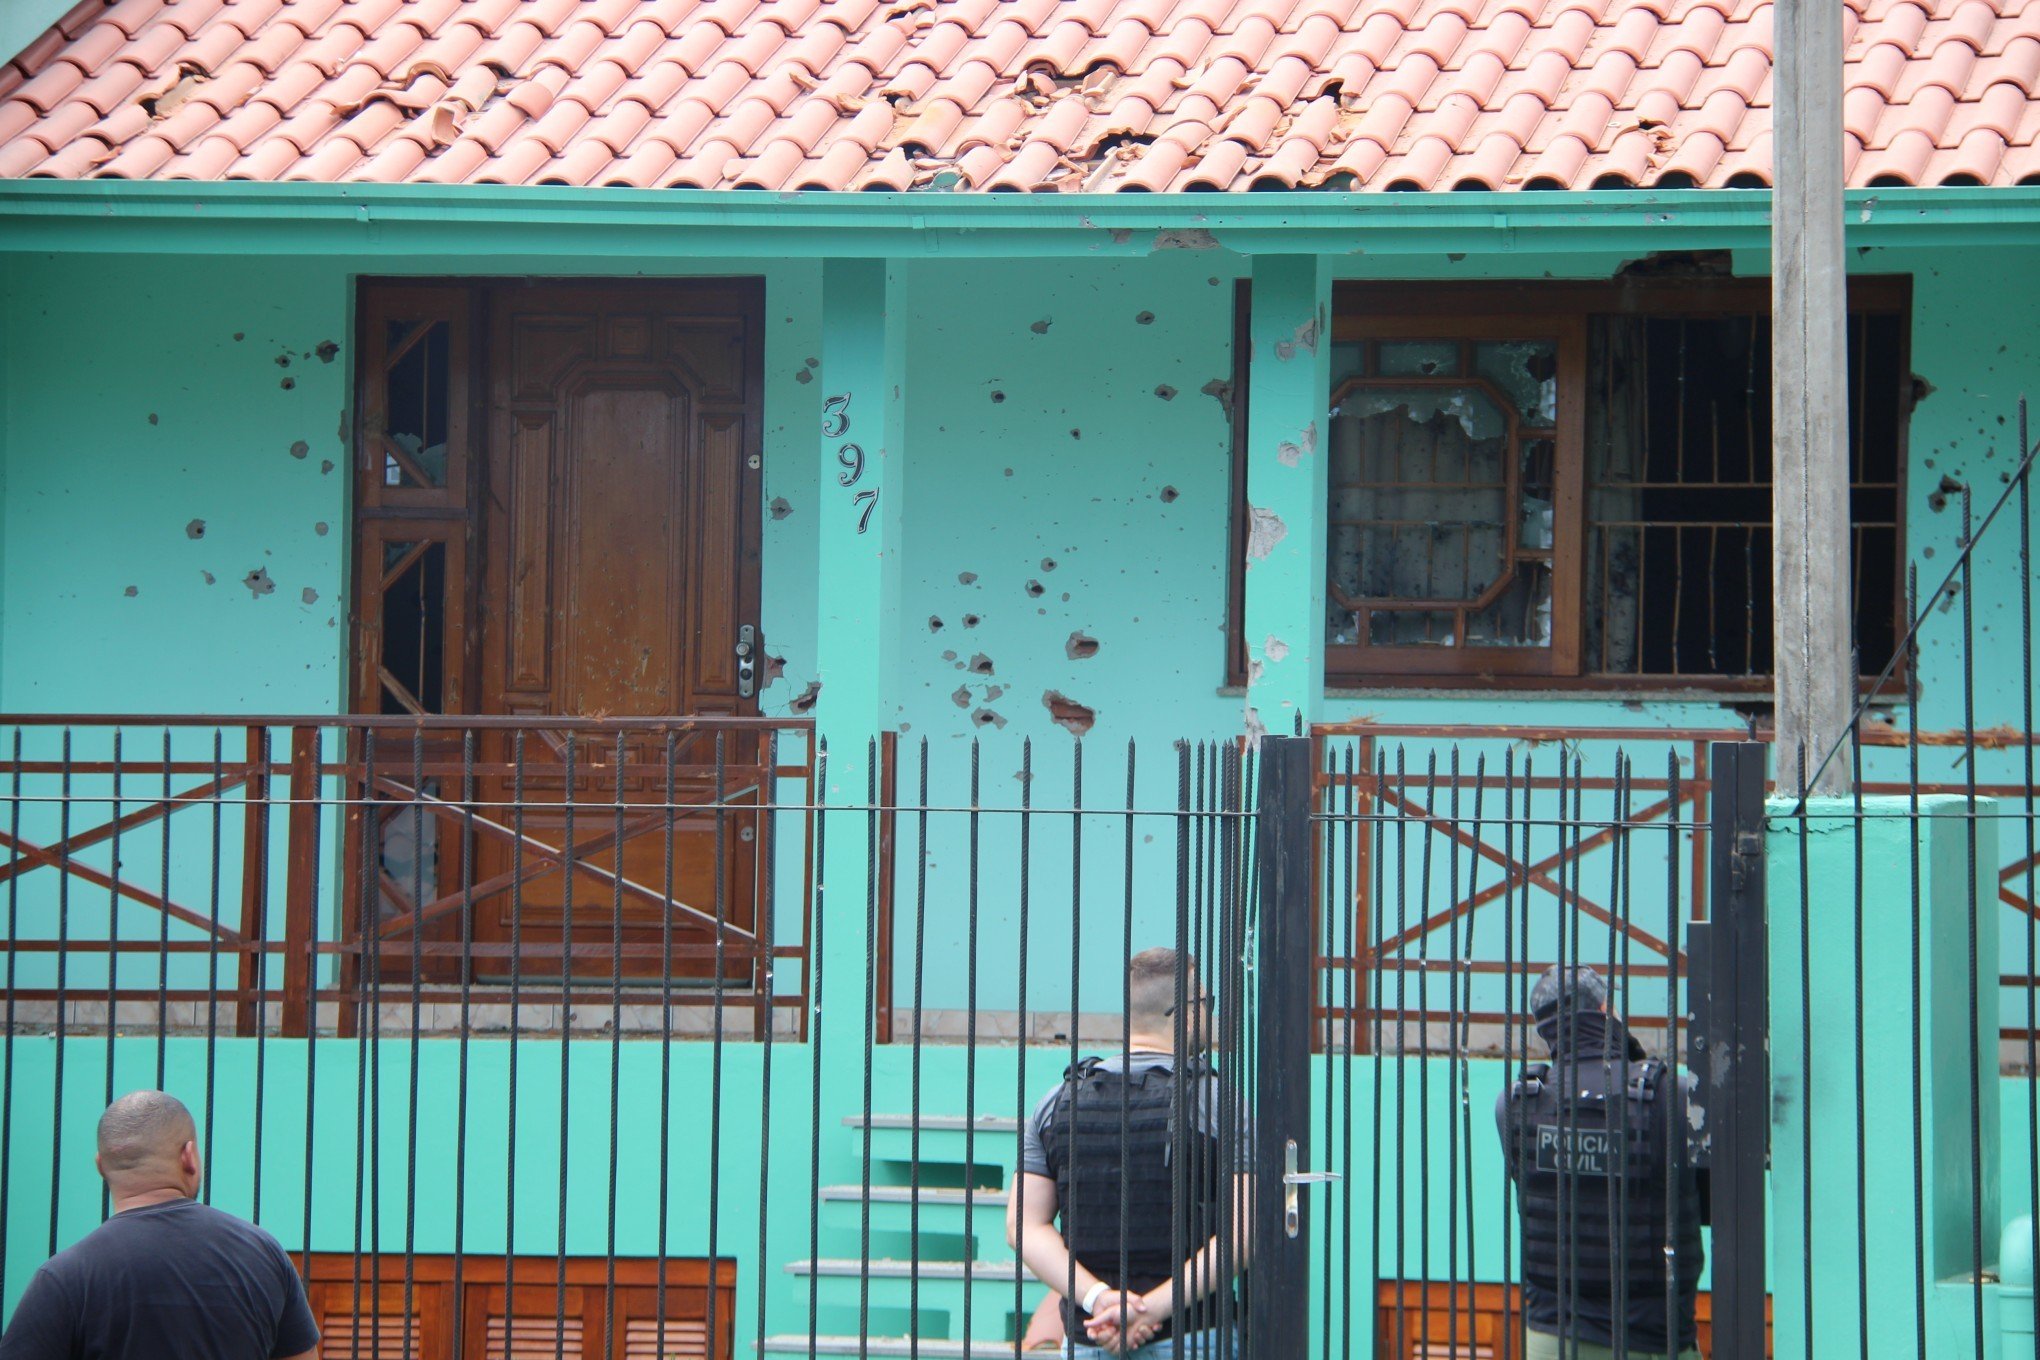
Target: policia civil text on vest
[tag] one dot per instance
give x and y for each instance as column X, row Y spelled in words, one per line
column 1610, row 1209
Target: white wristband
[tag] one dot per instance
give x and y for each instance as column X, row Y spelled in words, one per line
column 1091, row 1299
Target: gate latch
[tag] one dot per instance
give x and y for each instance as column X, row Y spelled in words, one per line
column 1292, row 1183
column 747, row 661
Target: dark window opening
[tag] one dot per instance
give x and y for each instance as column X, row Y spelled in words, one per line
column 414, row 628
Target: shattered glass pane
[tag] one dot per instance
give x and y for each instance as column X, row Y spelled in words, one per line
column 415, row 404
column 1419, row 358
column 1538, row 460
column 1526, row 371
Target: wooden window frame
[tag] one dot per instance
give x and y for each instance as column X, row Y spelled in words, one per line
column 1419, row 309
column 331, row 1279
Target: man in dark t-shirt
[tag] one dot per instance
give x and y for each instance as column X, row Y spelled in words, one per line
column 165, row 1278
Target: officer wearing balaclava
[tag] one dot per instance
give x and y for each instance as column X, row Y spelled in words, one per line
column 1610, row 1208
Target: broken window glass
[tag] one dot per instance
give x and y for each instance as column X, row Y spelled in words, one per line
column 413, row 604
column 416, row 399
column 1441, row 525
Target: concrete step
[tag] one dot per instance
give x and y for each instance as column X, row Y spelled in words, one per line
column 891, row 1346
column 1001, row 1271
column 942, row 1218
column 993, row 1138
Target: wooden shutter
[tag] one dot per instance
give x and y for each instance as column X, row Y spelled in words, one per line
column 377, row 1329
column 683, row 1340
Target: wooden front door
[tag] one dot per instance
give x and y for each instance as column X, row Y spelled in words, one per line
column 609, row 515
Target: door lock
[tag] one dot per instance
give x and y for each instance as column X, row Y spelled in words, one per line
column 747, row 661
column 1293, row 1182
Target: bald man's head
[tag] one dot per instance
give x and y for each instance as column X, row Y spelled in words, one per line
column 146, row 1141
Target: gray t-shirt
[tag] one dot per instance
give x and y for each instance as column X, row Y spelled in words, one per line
column 173, row 1281
column 1236, row 1134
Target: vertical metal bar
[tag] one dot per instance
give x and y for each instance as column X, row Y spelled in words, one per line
column 162, row 929
column 113, row 968
column 1466, row 1041
column 816, row 956
column 368, row 909
column 1565, row 1060
column 1376, row 992
column 7, row 1035
column 1020, row 1108
column 1617, row 1204
column 1184, row 1133
column 2025, row 558
column 1509, row 1022
column 920, row 1025
column 1424, row 1055
column 63, row 982
column 1918, row 1056
column 467, row 967
column 1126, row 1037
column 1355, row 831
column 871, row 953
column 668, row 813
column 1976, row 1258
column 768, row 903
column 1069, row 1211
column 212, row 972
column 1452, row 1149
column 1738, row 1093
column 373, row 1038
column 418, row 899
column 1281, row 1248
column 1856, row 1055
column 516, row 1011
column 568, row 870
column 620, row 755
column 1324, row 991
column 970, row 1034
column 1402, row 1047
column 1805, row 1041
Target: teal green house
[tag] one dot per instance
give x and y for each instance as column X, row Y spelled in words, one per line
column 479, row 477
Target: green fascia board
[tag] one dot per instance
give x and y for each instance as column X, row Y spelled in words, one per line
column 463, row 224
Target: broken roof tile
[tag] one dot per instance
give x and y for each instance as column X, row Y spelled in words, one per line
column 1141, row 95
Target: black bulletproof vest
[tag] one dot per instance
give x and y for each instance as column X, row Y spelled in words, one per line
column 1587, row 1149
column 1094, row 1111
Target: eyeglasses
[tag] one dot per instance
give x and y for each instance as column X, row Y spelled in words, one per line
column 1208, row 1001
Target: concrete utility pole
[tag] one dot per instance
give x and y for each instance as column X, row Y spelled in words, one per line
column 1815, row 663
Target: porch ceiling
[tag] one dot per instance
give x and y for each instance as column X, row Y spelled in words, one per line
column 472, row 223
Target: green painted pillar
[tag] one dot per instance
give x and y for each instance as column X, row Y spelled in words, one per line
column 862, row 429
column 1288, row 398
column 1816, row 862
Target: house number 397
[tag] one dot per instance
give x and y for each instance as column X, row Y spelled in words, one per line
column 850, row 457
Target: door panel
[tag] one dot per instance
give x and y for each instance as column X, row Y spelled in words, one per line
column 613, row 506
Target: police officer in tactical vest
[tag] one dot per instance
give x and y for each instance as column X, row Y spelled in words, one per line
column 1138, row 1161
column 1610, row 1208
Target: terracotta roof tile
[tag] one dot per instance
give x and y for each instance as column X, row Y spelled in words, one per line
column 1003, row 94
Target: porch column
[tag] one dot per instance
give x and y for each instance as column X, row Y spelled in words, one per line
column 862, row 386
column 1288, row 380
column 1814, row 1130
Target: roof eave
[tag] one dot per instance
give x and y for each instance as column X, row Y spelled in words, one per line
column 475, row 222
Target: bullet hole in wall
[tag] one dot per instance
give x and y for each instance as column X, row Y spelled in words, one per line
column 961, row 696
column 154, row 419
column 1048, row 564
column 966, row 578
column 980, row 664
column 781, row 507
column 934, row 623
column 1081, row 646
column 1036, row 590
column 1144, row 319
column 1169, row 495
column 804, row 702
column 998, row 397
column 258, row 583
column 1165, row 392
column 327, row 351
column 288, row 384
column 971, row 620
column 1068, row 714
column 986, row 717
column 300, row 449
column 195, row 529
column 131, row 592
